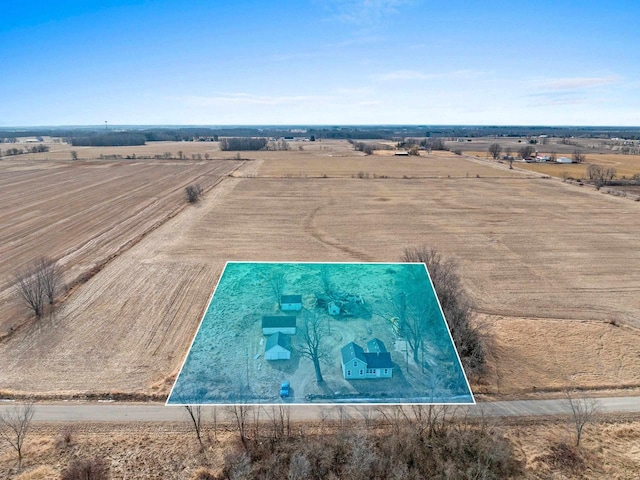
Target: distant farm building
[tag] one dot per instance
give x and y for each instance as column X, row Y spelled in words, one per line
column 563, row 160
column 278, row 347
column 333, row 308
column 358, row 364
column 402, row 153
column 283, row 324
column 291, row 302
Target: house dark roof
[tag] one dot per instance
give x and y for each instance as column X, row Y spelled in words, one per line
column 351, row 351
column 278, row 339
column 378, row 360
column 376, row 346
column 291, row 299
column 280, row 321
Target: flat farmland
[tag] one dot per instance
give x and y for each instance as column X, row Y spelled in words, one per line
column 82, row 213
column 552, row 268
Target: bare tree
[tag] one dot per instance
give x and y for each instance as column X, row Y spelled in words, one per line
column 311, row 332
column 31, row 291
column 239, row 413
column 578, row 156
column 193, row 193
column 195, row 414
column 276, row 281
column 14, row 426
column 526, row 151
column 411, row 311
column 74, row 155
column 50, row 277
column 455, row 303
column 583, row 410
column 495, row 149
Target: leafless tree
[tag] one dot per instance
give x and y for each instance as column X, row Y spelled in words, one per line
column 311, row 332
column 195, row 414
column 193, row 193
column 326, row 280
column 553, row 156
column 50, row 277
column 240, row 413
column 526, row 151
column 14, row 426
column 412, row 312
column 495, row 149
column 583, row 410
column 30, row 289
column 578, row 156
column 74, row 155
column 276, row 281
column 455, row 303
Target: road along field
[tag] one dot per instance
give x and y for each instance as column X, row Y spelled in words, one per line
column 82, row 213
column 546, row 263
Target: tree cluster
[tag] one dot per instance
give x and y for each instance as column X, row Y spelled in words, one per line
column 526, row 151
column 243, row 143
column 193, row 193
column 578, row 156
column 116, row 139
column 19, row 151
column 495, row 150
column 455, row 303
column 600, row 175
column 38, row 285
column 422, row 444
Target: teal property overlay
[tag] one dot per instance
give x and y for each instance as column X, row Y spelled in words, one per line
column 338, row 333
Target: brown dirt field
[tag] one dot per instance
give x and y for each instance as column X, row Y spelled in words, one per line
column 84, row 212
column 544, row 261
column 169, row 450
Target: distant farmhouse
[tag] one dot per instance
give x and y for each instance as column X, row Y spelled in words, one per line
column 358, row 364
column 291, row 302
column 283, row 324
column 278, row 347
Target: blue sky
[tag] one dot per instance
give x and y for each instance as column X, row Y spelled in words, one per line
column 559, row 62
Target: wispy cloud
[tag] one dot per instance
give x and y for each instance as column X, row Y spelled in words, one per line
column 572, row 83
column 250, row 99
column 402, row 75
column 556, row 98
column 363, row 12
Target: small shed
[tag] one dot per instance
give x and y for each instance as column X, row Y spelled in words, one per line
column 333, row 308
column 278, row 347
column 401, row 153
column 291, row 302
column 281, row 323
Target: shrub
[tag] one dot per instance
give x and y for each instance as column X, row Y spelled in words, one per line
column 193, row 193
column 95, row 468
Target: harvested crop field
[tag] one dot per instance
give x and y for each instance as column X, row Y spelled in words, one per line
column 83, row 213
column 540, row 258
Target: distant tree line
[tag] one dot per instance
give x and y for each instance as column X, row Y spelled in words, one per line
column 243, row 143
column 115, row 139
column 19, row 151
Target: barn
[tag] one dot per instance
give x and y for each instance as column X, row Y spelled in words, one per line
column 280, row 323
column 278, row 347
column 291, row 302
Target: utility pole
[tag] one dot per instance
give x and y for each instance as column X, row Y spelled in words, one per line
column 105, row 125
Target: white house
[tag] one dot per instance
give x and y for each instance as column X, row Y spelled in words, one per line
column 282, row 323
column 358, row 364
column 333, row 308
column 278, row 347
column 291, row 302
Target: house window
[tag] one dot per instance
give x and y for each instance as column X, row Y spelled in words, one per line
column 371, row 370
column 361, row 372
column 348, row 373
column 355, row 364
column 386, row 371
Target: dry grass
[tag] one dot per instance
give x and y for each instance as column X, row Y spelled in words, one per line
column 548, row 264
column 170, row 450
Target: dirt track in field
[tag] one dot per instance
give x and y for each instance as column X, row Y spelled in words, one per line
column 552, row 268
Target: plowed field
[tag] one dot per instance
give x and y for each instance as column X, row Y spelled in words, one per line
column 554, row 270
